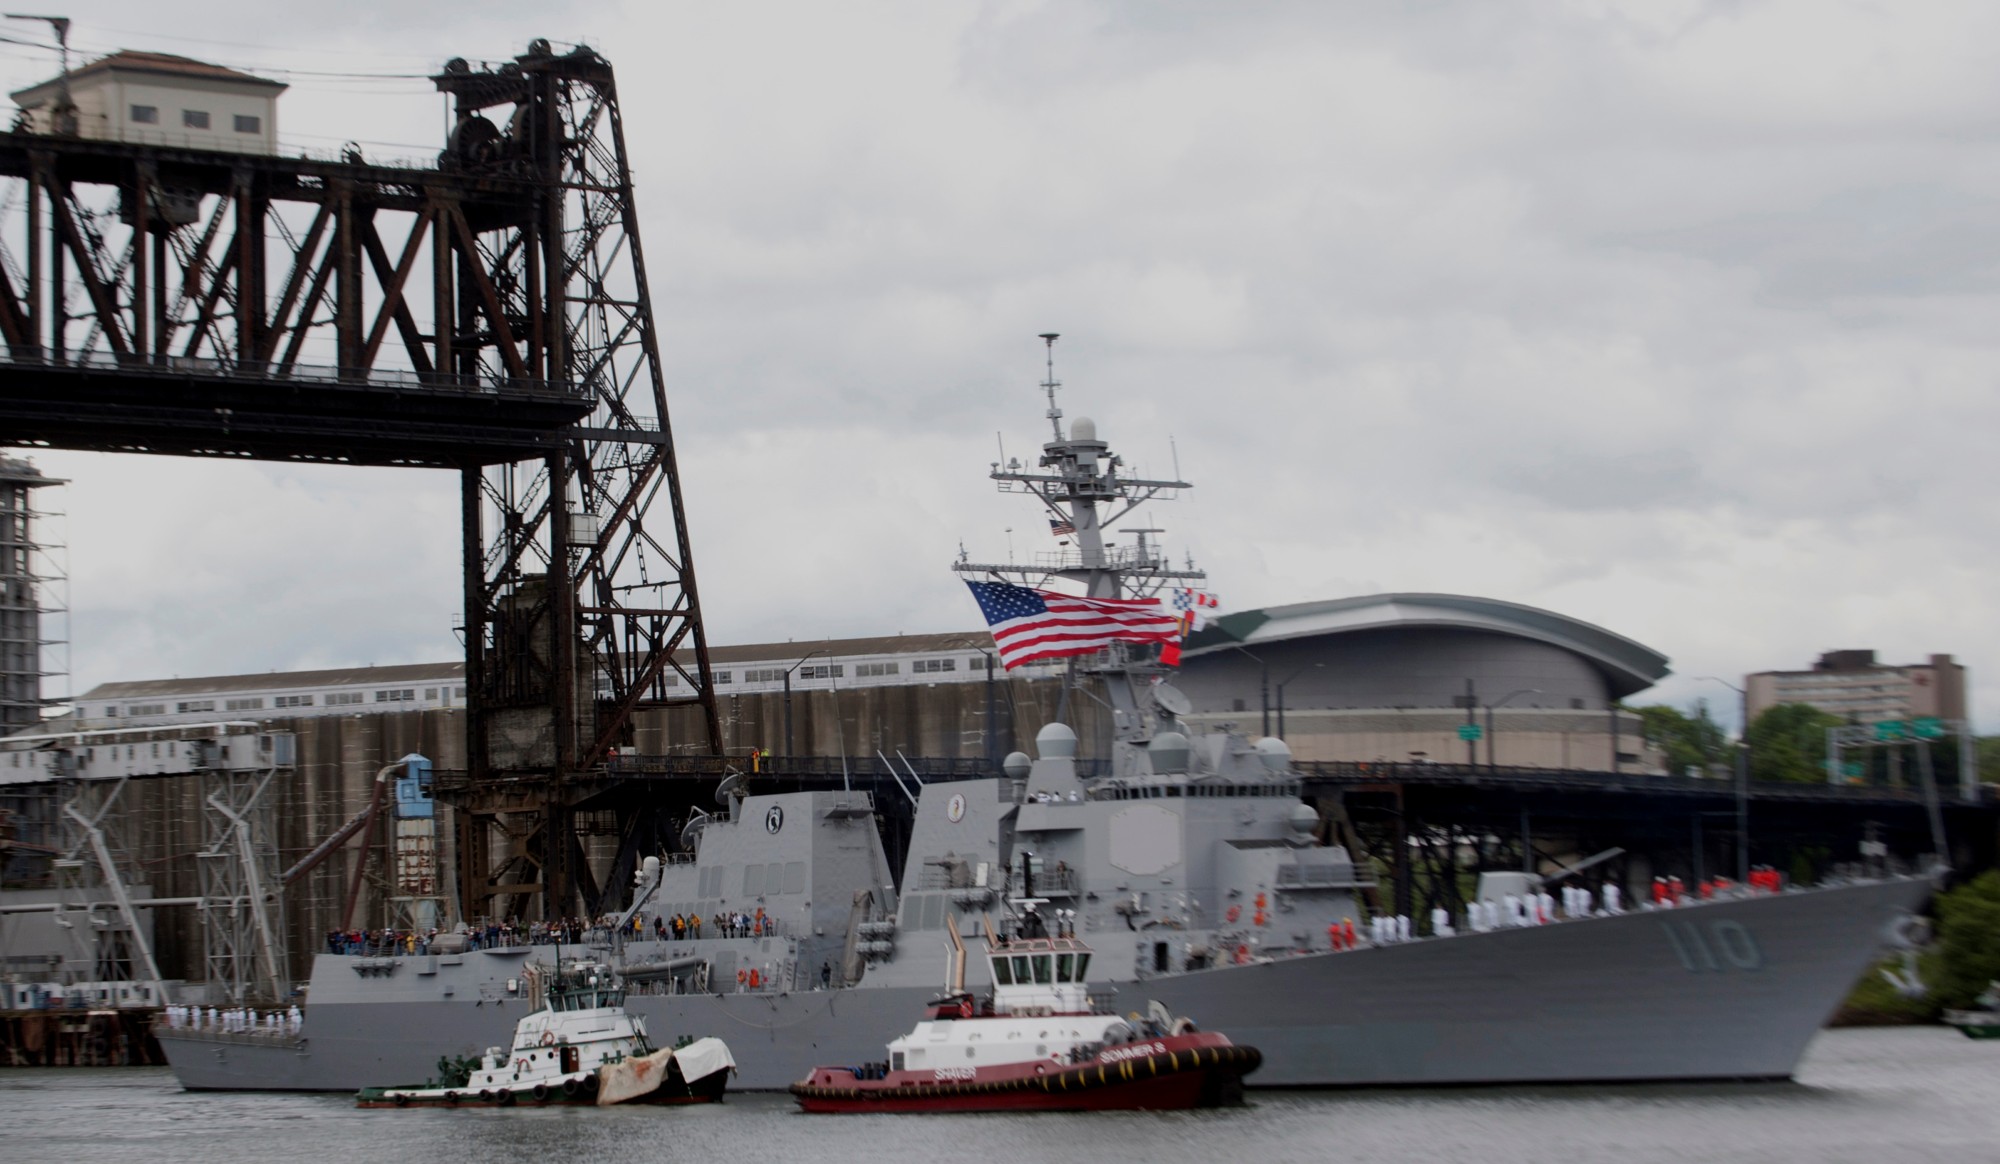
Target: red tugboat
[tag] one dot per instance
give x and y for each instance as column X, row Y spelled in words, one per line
column 1036, row 1045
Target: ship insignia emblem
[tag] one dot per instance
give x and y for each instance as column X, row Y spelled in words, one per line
column 955, row 808
column 774, row 819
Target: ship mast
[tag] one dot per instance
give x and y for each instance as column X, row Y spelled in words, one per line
column 1084, row 492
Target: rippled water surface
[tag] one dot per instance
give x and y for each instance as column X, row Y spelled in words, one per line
column 1870, row 1097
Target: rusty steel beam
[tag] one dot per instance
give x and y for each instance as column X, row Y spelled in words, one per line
column 203, row 302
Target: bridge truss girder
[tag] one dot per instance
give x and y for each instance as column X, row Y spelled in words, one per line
column 490, row 315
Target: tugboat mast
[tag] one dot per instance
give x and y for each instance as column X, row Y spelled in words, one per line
column 1084, row 493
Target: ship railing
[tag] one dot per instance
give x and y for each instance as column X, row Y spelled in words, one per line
column 1327, row 876
column 1058, row 883
column 936, row 878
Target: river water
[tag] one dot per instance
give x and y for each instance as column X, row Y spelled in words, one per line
column 1862, row 1096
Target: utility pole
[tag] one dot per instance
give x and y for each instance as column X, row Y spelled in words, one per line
column 1471, row 721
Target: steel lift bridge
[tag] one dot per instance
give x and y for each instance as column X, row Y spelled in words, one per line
column 98, row 903
column 489, row 315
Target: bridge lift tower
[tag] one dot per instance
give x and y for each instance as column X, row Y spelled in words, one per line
column 489, row 315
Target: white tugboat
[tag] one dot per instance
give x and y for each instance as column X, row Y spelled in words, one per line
column 580, row 1048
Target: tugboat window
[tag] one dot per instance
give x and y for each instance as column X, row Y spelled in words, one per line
column 1002, row 973
column 1065, row 967
column 1041, row 970
column 1020, row 970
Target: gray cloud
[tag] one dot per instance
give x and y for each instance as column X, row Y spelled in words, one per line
column 1674, row 317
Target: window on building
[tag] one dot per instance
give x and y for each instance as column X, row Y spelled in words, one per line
column 764, row 675
column 824, row 671
column 146, row 115
column 722, row 676
column 192, row 706
column 246, row 123
column 147, row 709
column 397, row 695
column 876, row 670
column 430, row 693
column 111, row 710
column 194, row 118
column 292, row 701
column 344, row 698
column 932, row 666
column 248, row 704
column 458, row 692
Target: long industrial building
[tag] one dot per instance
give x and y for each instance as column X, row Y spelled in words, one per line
column 1383, row 677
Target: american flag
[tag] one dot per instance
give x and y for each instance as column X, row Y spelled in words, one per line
column 1061, row 527
column 1041, row 624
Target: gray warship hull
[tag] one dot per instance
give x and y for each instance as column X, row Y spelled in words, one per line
column 1723, row 990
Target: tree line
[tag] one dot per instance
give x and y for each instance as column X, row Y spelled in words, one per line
column 1788, row 743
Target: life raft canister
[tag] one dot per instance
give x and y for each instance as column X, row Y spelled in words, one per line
column 1242, row 954
column 742, row 976
column 1235, row 911
column 755, row 980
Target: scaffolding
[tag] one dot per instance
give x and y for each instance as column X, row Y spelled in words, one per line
column 103, row 908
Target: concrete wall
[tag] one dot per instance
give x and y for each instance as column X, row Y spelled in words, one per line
column 1520, row 737
column 941, row 720
column 1414, row 667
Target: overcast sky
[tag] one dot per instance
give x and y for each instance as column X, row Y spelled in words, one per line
column 1673, row 317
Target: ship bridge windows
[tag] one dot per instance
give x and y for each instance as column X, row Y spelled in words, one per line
column 1040, row 964
column 1003, row 971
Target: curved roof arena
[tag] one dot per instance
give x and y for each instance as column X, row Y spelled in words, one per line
column 1628, row 666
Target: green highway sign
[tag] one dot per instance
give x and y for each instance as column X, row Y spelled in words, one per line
column 1469, row 731
column 1928, row 728
column 1891, row 729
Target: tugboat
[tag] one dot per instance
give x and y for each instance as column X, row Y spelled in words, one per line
column 580, row 1048
column 1037, row 1043
column 1983, row 1023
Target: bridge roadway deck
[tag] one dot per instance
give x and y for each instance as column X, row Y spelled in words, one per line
column 1320, row 778
column 203, row 407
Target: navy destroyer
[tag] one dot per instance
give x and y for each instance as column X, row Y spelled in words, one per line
column 1192, row 867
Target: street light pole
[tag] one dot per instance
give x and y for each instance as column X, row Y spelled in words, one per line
column 1281, row 694
column 1472, row 722
column 1501, row 702
column 992, row 730
column 1263, row 685
column 788, row 698
column 1742, row 781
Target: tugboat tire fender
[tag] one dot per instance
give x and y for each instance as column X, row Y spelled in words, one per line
column 486, row 1097
column 571, row 1087
column 451, row 1097
column 402, row 1101
column 541, row 1092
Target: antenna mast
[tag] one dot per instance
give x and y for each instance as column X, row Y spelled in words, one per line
column 1050, row 384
